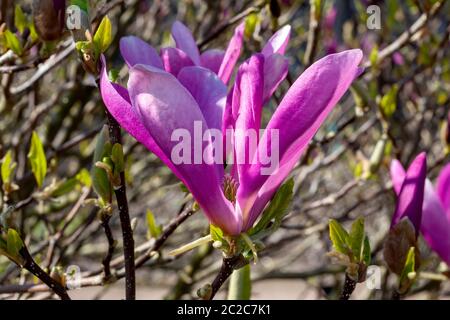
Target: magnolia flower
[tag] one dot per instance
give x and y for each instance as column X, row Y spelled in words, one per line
column 157, row 103
column 136, row 51
column 48, row 18
column 435, row 222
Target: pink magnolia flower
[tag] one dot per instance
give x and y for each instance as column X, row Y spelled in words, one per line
column 157, row 102
column 435, row 220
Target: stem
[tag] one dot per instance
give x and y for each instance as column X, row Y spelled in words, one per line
column 36, row 270
column 240, row 284
column 349, row 287
column 122, row 204
column 228, row 266
column 111, row 244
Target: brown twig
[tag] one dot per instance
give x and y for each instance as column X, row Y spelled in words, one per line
column 34, row 268
column 349, row 287
column 229, row 264
column 124, row 215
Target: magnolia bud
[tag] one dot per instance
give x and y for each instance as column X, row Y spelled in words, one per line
column 49, row 18
column 400, row 239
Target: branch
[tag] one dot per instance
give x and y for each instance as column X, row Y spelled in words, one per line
column 122, row 204
column 228, row 266
column 34, row 268
column 349, row 287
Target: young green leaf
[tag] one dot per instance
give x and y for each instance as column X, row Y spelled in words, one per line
column 13, row 43
column 103, row 36
column 37, row 159
column 357, row 238
column 8, row 167
column 339, row 237
column 20, row 21
column 117, row 158
column 153, row 228
column 84, row 178
column 216, row 233
column 13, row 243
column 65, row 187
column 100, row 180
column 409, row 271
column 366, row 252
column 277, row 208
column 388, row 103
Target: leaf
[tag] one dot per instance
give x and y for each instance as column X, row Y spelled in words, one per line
column 339, row 237
column 103, row 37
column 240, row 284
column 153, row 228
column 20, row 21
column 277, row 208
column 7, row 168
column 250, row 25
column 409, row 270
column 357, row 238
column 13, row 243
column 84, row 178
column 366, row 252
column 65, row 187
column 373, row 57
column 216, row 233
column 13, row 43
column 117, row 158
column 37, row 159
column 388, row 103
column 100, row 180
column 83, row 4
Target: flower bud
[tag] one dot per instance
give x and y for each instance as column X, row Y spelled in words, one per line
column 49, row 18
column 400, row 239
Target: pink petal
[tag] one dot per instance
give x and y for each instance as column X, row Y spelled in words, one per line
column 117, row 101
column 212, row 59
column 275, row 71
column 174, row 60
column 136, row 51
column 397, row 175
column 410, row 198
column 164, row 106
column 278, row 42
column 296, row 120
column 435, row 223
column 185, row 41
column 443, row 188
column 209, row 92
column 232, row 54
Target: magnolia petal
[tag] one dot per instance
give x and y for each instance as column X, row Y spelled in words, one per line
column 411, row 195
column 278, row 42
column 185, row 41
column 275, row 71
column 136, row 51
column 212, row 59
column 117, row 100
column 435, row 225
column 298, row 117
column 397, row 175
column 232, row 54
column 174, row 60
column 165, row 107
column 443, row 188
column 247, row 110
column 209, row 92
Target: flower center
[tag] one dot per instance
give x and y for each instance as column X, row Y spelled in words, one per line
column 230, row 188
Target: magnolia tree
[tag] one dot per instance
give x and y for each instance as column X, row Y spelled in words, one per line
column 206, row 147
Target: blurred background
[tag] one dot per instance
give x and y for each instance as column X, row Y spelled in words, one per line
column 396, row 109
